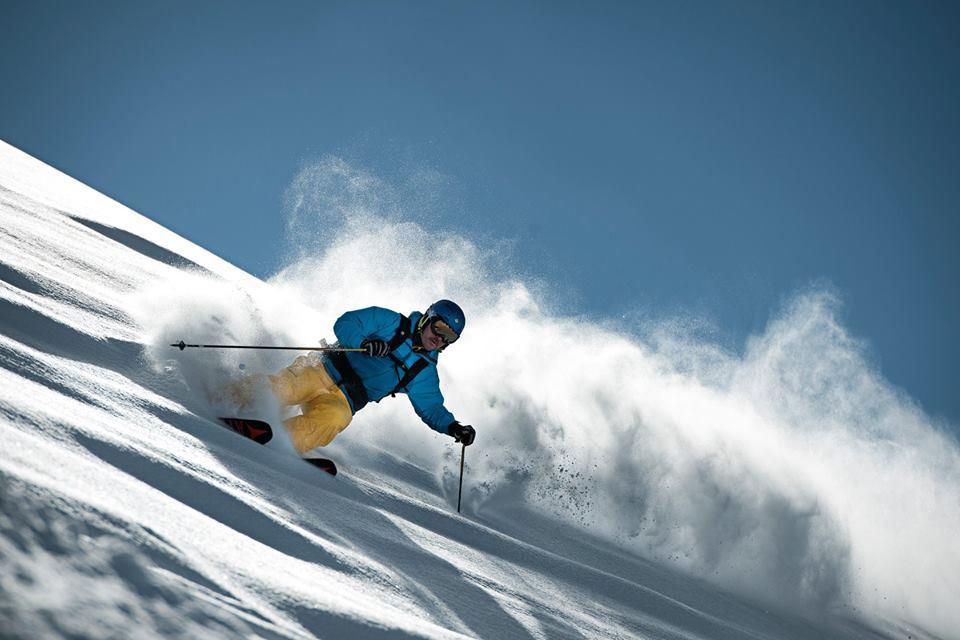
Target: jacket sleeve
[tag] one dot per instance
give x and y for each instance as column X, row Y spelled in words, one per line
column 427, row 401
column 354, row 327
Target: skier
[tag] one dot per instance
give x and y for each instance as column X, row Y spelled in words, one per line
column 400, row 357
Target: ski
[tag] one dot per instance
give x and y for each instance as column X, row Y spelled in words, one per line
column 257, row 430
column 261, row 432
column 323, row 463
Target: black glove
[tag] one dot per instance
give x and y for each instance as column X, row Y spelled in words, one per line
column 376, row 348
column 462, row 433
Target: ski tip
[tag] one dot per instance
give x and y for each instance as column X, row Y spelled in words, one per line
column 323, row 463
column 257, row 430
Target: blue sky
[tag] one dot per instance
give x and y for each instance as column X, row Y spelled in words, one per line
column 669, row 158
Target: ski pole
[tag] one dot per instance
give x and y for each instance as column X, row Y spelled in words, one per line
column 182, row 345
column 463, row 453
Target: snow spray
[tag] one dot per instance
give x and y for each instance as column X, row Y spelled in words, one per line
column 790, row 471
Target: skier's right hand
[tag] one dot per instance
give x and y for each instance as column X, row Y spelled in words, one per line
column 375, row 348
column 462, row 433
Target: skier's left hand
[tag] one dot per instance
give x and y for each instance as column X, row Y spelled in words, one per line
column 376, row 348
column 462, row 433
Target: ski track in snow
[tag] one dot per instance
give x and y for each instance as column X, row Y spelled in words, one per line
column 128, row 513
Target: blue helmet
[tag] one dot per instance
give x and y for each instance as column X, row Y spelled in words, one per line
column 448, row 311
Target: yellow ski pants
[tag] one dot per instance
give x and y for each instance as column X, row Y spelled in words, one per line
column 326, row 411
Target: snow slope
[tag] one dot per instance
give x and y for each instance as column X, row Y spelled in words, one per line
column 127, row 512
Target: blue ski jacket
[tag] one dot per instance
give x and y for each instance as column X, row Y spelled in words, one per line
column 380, row 376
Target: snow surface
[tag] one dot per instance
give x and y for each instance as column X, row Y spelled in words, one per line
column 618, row 488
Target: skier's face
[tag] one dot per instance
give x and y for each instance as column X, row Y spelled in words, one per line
column 430, row 340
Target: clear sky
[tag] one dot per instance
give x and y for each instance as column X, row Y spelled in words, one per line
column 670, row 158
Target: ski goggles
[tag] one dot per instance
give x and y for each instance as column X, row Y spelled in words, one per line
column 446, row 333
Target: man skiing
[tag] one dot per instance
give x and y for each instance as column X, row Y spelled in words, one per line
column 400, row 356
